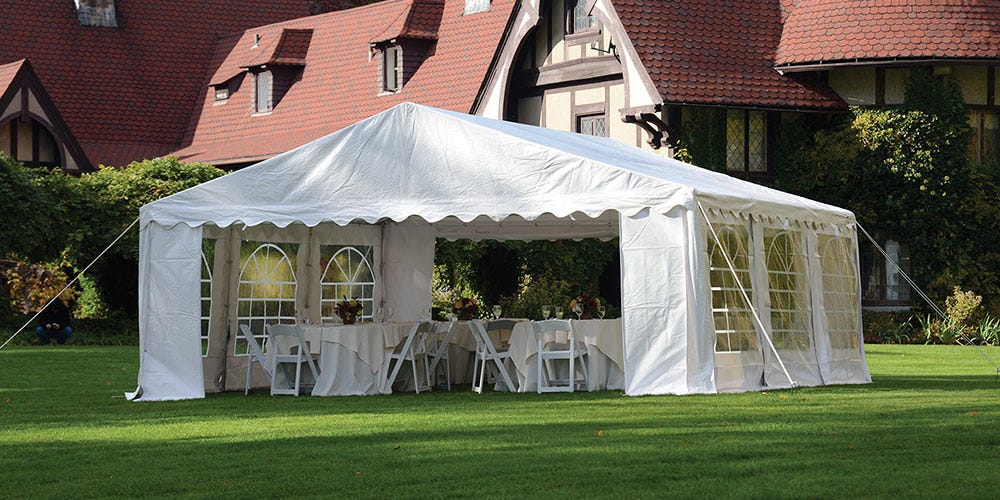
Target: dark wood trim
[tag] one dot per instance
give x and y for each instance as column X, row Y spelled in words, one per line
column 575, row 70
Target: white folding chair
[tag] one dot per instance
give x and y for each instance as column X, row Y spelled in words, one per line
column 256, row 355
column 414, row 350
column 288, row 351
column 437, row 351
column 496, row 328
column 488, row 358
column 550, row 351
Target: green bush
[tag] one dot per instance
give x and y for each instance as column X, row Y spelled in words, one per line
column 59, row 220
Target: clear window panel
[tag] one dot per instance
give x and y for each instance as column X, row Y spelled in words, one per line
column 348, row 273
column 733, row 319
column 790, row 312
column 267, row 287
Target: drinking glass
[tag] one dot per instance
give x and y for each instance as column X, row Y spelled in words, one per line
column 601, row 311
column 559, row 312
column 379, row 315
column 452, row 317
column 497, row 310
column 389, row 312
column 578, row 310
column 546, row 311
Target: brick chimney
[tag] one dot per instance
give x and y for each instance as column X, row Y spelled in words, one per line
column 96, row 13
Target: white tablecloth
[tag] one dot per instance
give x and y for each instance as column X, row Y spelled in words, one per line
column 354, row 359
column 603, row 338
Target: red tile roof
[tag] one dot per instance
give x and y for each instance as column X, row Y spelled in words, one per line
column 8, row 72
column 127, row 92
column 712, row 52
column 339, row 84
column 824, row 31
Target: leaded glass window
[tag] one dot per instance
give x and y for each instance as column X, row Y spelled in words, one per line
column 746, row 141
column 593, row 125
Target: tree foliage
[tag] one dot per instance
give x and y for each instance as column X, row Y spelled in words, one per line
column 61, row 223
column 905, row 173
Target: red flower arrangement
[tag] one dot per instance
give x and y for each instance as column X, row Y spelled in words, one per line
column 348, row 310
column 465, row 308
column 590, row 305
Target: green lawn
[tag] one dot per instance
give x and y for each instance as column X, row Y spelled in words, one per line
column 929, row 426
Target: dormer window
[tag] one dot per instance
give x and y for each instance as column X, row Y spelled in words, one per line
column 391, row 68
column 96, row 13
column 262, row 92
column 221, row 93
column 476, row 6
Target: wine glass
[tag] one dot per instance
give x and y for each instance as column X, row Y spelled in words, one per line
column 452, row 316
column 389, row 313
column 601, row 311
column 546, row 311
column 559, row 312
column 379, row 315
column 497, row 310
column 578, row 310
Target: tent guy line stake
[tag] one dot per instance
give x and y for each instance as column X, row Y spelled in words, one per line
column 927, row 299
column 746, row 297
column 19, row 330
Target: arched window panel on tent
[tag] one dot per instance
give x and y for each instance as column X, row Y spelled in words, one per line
column 787, row 287
column 207, row 257
column 266, row 288
column 347, row 273
column 840, row 291
column 734, row 324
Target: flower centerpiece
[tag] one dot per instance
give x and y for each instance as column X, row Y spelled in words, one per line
column 465, row 308
column 348, row 310
column 588, row 303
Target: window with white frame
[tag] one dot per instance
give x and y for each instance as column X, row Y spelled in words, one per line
column 734, row 325
column 786, row 276
column 391, row 69
column 840, row 290
column 746, row 141
column 266, row 288
column 262, row 92
column 207, row 256
column 882, row 282
column 348, row 273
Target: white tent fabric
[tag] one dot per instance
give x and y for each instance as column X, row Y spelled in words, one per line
column 415, row 173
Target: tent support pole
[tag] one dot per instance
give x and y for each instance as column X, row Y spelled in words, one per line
column 746, row 297
column 70, row 283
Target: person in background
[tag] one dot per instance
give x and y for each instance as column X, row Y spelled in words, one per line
column 53, row 323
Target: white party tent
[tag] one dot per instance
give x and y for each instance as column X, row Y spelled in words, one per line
column 726, row 285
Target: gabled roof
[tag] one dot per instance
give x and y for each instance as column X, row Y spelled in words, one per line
column 18, row 79
column 712, row 52
column 339, row 83
column 831, row 31
column 127, row 92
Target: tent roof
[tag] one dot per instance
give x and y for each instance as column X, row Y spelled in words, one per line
column 413, row 160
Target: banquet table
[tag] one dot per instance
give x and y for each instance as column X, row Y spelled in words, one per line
column 603, row 339
column 354, row 359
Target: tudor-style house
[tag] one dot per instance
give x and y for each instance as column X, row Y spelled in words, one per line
column 234, row 85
